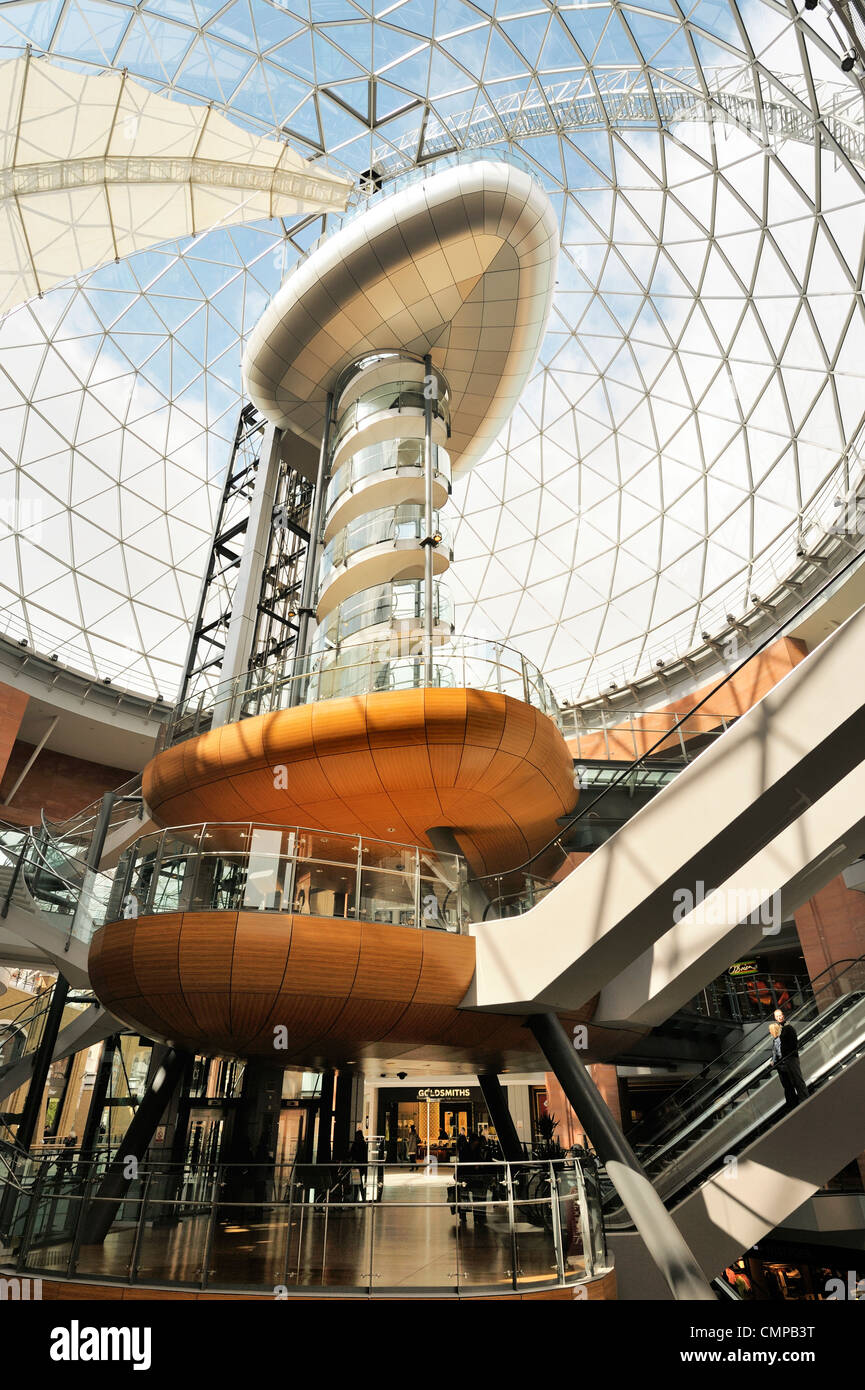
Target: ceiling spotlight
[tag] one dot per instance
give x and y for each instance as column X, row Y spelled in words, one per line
column 706, row 636
column 22, row 641
column 437, row 537
column 811, row 4
column 660, row 663
column 848, row 61
column 106, row 680
column 54, row 656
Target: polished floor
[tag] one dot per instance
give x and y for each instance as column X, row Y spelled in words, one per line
column 409, row 1240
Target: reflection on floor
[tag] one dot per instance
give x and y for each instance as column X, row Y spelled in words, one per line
column 409, row 1238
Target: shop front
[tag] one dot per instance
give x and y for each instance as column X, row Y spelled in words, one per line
column 439, row 1115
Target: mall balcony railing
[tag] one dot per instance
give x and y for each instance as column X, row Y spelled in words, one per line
column 392, row 663
column 340, row 1227
column 398, row 396
column 231, row 866
column 400, row 527
column 393, row 607
column 38, row 876
column 387, row 456
column 617, row 735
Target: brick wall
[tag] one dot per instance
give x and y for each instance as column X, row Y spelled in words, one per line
column 57, row 783
column 13, row 703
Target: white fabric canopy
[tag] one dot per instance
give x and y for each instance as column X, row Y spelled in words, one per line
column 94, row 168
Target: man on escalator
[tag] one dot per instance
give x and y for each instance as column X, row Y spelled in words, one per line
column 785, row 1059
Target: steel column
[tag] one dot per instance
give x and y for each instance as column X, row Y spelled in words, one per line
column 135, row 1143
column 98, row 1096
column 310, row 572
column 44, row 1055
column 244, row 603
column 325, row 1118
column 503, row 1120
column 662, row 1237
column 428, row 515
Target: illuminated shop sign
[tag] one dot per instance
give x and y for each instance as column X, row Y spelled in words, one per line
column 444, row 1093
column 744, row 967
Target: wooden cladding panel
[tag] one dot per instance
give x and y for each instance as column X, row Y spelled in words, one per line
column 339, row 989
column 388, row 765
column 260, row 957
column 155, row 956
column 390, row 962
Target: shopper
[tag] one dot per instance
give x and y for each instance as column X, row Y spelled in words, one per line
column 411, row 1145
column 785, row 1060
column 358, row 1154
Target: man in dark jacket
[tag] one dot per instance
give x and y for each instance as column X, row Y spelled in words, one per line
column 785, row 1058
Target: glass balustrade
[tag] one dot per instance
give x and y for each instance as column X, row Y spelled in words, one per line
column 396, row 396
column 343, row 1227
column 396, row 604
column 405, row 523
column 387, row 456
column 262, row 868
column 392, row 663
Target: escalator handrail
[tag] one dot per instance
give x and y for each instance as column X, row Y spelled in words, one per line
column 709, row 1074
column 742, row 1072
column 762, row 1077
column 727, row 1095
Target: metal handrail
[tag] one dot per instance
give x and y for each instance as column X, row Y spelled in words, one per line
column 737, row 1053
column 556, row 1199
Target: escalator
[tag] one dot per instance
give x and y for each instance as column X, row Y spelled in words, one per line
column 763, row 818
column 727, row 1160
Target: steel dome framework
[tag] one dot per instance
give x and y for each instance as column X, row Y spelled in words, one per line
column 695, row 416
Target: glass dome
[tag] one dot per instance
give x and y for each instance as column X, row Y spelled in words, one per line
column 696, row 410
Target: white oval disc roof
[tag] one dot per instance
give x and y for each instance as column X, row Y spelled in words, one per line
column 461, row 266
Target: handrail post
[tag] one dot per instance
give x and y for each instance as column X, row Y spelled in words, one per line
column 584, row 1216
column 83, row 1209
column 139, row 1229
column 30, row 1219
column 208, row 1242
column 515, row 1254
column 556, row 1213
